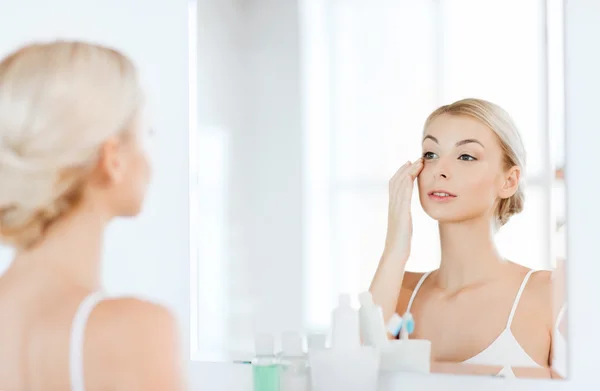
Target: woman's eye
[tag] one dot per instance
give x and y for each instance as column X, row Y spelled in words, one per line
column 429, row 155
column 467, row 158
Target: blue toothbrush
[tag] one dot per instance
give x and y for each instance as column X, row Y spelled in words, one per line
column 408, row 325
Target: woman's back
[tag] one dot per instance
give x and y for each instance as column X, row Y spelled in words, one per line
column 35, row 331
column 39, row 351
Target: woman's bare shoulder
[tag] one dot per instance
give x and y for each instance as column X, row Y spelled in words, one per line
column 132, row 307
column 409, row 284
column 411, row 279
column 536, row 298
column 540, row 284
column 133, row 320
column 141, row 337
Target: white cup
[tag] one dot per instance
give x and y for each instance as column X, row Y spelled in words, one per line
column 411, row 355
column 340, row 369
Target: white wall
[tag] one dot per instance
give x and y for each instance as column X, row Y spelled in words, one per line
column 583, row 137
column 249, row 89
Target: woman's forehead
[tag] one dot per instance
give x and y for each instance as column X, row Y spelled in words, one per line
column 451, row 129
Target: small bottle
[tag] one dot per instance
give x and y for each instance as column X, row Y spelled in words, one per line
column 316, row 342
column 294, row 363
column 347, row 365
column 266, row 369
column 372, row 326
column 345, row 333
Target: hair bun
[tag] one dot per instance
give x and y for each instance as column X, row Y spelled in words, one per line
column 510, row 206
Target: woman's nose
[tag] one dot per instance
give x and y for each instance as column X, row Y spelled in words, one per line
column 441, row 169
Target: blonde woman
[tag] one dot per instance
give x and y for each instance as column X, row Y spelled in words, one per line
column 71, row 160
column 477, row 308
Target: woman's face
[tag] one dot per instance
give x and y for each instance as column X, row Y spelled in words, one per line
column 463, row 175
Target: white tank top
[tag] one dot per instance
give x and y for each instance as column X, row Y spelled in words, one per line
column 505, row 350
column 77, row 339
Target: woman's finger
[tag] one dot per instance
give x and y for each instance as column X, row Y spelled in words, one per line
column 415, row 168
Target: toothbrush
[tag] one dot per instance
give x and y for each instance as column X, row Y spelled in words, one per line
column 408, row 326
column 394, row 325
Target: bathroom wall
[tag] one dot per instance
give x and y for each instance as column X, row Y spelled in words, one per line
column 583, row 85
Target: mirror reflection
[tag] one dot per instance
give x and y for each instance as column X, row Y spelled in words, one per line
column 307, row 114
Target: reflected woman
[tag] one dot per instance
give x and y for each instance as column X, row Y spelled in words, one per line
column 478, row 307
column 72, row 159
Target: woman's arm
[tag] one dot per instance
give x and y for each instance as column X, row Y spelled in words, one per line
column 387, row 281
column 557, row 359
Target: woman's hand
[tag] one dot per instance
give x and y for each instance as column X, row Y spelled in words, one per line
column 399, row 232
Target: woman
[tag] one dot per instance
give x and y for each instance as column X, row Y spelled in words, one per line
column 477, row 308
column 71, row 160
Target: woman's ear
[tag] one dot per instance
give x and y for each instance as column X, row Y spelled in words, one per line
column 511, row 182
column 110, row 168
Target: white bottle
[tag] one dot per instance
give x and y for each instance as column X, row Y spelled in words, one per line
column 316, row 342
column 294, row 376
column 372, row 326
column 345, row 333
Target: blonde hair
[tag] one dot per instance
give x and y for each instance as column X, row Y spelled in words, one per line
column 59, row 102
column 500, row 122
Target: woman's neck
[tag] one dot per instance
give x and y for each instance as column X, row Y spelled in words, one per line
column 71, row 250
column 469, row 254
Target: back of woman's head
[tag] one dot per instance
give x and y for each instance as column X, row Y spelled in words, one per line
column 500, row 122
column 58, row 103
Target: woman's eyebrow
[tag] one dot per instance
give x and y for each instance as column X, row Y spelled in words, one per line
column 458, row 144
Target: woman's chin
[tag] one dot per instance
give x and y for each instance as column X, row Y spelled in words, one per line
column 444, row 216
column 439, row 212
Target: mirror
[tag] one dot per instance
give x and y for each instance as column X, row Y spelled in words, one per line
column 305, row 111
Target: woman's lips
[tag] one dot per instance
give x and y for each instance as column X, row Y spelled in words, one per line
column 441, row 195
